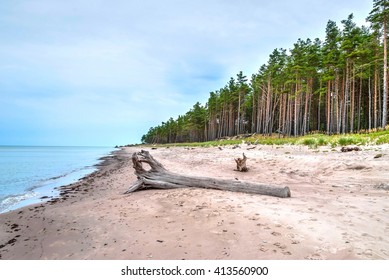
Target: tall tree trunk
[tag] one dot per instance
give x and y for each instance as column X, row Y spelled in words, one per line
column 360, row 103
column 369, row 102
column 352, row 102
column 288, row 117
column 268, row 108
column 329, row 107
column 231, row 121
column 280, row 115
column 385, row 92
column 306, row 107
column 346, row 98
column 254, row 115
column 309, row 108
column 259, row 112
column 238, row 124
column 337, row 105
column 376, row 91
column 295, row 127
column 319, row 109
column 379, row 117
column 285, row 115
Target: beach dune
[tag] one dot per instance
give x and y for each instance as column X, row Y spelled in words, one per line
column 339, row 209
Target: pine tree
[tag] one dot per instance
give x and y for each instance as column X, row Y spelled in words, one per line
column 242, row 89
column 331, row 57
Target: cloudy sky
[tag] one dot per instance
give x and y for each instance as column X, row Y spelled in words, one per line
column 99, row 72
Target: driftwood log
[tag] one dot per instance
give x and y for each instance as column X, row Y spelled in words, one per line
column 160, row 178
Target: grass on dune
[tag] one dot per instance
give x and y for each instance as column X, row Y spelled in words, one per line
column 311, row 140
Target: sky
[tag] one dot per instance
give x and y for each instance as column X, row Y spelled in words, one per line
column 101, row 73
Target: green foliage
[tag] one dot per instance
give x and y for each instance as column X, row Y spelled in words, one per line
column 384, row 139
column 322, row 141
column 313, row 141
column 379, row 13
column 344, row 141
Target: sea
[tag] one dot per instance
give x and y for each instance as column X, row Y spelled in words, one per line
column 30, row 175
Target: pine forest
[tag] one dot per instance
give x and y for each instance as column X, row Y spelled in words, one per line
column 336, row 85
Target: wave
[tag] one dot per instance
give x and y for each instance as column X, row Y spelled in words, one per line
column 9, row 202
column 27, row 174
column 43, row 190
column 64, row 175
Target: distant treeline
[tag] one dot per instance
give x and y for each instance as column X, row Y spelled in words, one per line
column 338, row 85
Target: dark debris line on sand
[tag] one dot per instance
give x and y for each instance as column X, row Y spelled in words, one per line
column 65, row 192
column 13, row 228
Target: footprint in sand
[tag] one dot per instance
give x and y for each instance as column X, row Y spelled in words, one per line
column 368, row 252
column 384, row 252
column 290, row 235
column 314, row 257
column 279, row 245
column 263, row 249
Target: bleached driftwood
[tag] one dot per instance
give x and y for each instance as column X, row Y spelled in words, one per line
column 160, row 178
column 241, row 164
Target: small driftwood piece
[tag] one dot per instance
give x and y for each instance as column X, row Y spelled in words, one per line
column 241, row 164
column 160, row 178
column 350, row 149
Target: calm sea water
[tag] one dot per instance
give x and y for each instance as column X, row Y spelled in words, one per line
column 29, row 173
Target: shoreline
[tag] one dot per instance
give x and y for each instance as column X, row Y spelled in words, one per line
column 48, row 188
column 334, row 196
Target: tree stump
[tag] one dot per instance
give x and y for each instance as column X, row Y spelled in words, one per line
column 160, row 178
column 241, row 164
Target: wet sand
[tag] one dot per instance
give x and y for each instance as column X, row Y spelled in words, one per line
column 339, row 209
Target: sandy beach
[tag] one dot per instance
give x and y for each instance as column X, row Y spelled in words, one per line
column 339, row 209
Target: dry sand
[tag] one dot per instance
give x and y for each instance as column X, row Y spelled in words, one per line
column 339, row 210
